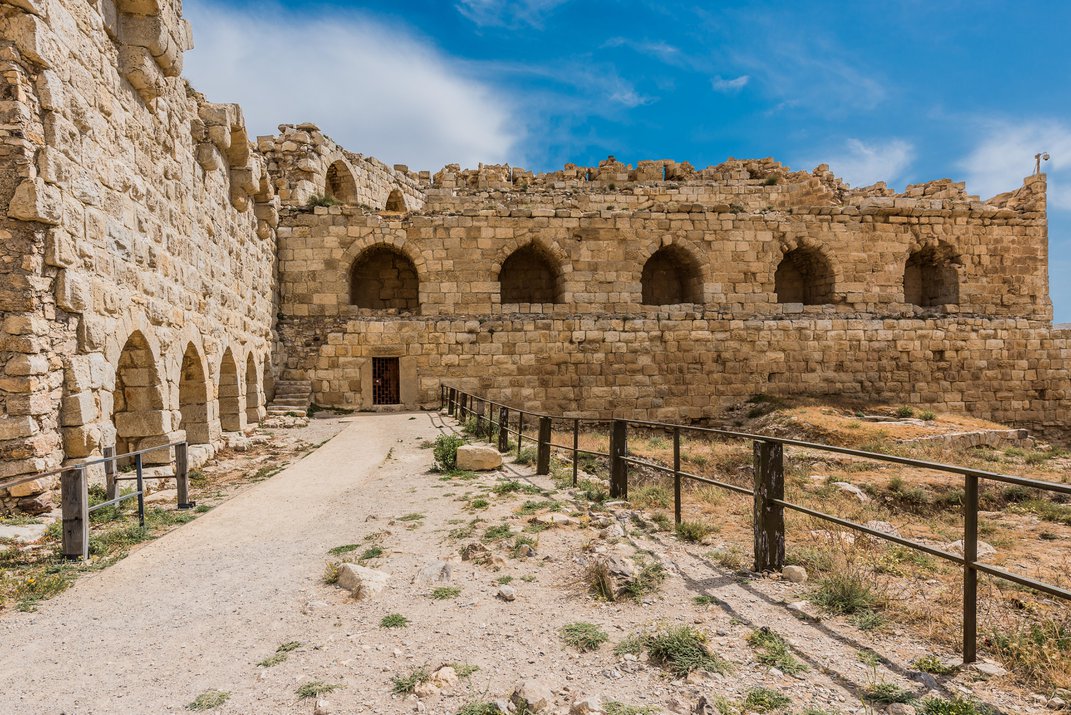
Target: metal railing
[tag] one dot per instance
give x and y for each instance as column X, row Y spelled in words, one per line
column 74, row 491
column 768, row 491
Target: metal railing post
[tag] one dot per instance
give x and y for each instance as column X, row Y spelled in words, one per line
column 543, row 452
column 451, row 399
column 677, row 475
column 503, row 429
column 520, row 432
column 618, row 465
column 769, row 517
column 970, row 574
column 111, row 486
column 479, row 417
column 463, row 416
column 576, row 449
column 74, row 501
column 141, row 489
column 182, row 475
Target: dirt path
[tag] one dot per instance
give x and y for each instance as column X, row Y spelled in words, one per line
column 200, row 607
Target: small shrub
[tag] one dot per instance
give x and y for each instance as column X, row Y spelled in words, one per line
column 315, row 689
column 321, row 200
column 593, row 491
column 887, row 693
column 497, row 532
column 955, row 706
column 280, row 654
column 394, row 620
column 479, row 503
column 933, row 665
column 344, row 549
column 613, row 707
column 444, row 593
column 523, row 546
column 479, row 708
column 464, row 670
column 765, row 700
column 927, row 415
column 693, row 531
column 526, row 456
column 905, row 412
column 682, row 649
column 729, row 557
column 331, row 572
column 648, row 579
column 368, row 554
column 650, row 497
column 704, row 600
column 415, row 516
column 600, row 582
column 402, row 684
column 845, row 594
column 774, row 651
column 445, row 451
column 632, row 645
column 209, row 700
column 583, row 636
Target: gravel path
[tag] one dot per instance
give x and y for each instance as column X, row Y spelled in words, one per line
column 200, row 607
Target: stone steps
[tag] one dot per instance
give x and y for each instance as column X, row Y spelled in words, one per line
column 291, row 396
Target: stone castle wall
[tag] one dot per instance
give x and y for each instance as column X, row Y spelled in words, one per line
column 160, row 269
column 138, row 240
column 594, row 346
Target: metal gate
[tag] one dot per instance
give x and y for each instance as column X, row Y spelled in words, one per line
column 385, row 377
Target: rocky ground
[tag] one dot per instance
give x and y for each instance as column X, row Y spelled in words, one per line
column 474, row 592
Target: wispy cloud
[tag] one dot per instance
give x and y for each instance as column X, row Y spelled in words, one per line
column 507, row 13
column 730, row 86
column 661, row 51
column 1004, row 154
column 863, row 163
column 374, row 87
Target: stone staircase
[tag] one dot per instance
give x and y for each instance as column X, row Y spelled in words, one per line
column 291, row 396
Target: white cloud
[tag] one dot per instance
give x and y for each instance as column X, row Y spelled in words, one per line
column 730, row 86
column 373, row 87
column 1005, row 154
column 507, row 13
column 862, row 164
column 662, row 51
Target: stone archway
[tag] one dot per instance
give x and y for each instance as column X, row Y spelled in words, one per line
column 193, row 398
column 138, row 399
column 339, row 183
column 230, row 397
column 530, row 275
column 671, row 276
column 384, row 278
column 805, row 275
column 252, row 391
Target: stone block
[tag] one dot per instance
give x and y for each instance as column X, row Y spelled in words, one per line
column 478, row 457
column 17, row 427
column 78, row 409
column 36, row 201
column 145, row 423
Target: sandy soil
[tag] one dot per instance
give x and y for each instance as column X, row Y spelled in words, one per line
column 198, row 608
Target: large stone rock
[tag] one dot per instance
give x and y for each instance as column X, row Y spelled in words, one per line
column 795, row 574
column 361, row 581
column 534, row 694
column 477, row 457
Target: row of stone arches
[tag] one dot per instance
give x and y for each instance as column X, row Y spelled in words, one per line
column 341, row 186
column 384, row 277
column 143, row 415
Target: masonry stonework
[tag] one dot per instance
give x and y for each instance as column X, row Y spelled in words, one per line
column 161, row 270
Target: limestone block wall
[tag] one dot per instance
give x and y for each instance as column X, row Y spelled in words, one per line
column 610, row 337
column 137, row 228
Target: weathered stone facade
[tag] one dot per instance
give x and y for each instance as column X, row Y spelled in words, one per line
column 161, row 270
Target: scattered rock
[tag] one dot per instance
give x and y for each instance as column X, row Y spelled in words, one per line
column 312, row 607
column 507, row 593
column 533, row 694
column 322, row 707
column 444, row 678
column 855, row 491
column 990, row 669
column 361, row 581
column 586, row 705
column 795, row 574
column 985, row 549
column 552, row 519
column 882, row 526
column 475, row 552
column 23, row 534
column 435, row 572
column 900, row 709
column 620, row 566
column 524, row 551
column 427, row 689
column 613, row 531
column 1056, row 703
column 478, row 457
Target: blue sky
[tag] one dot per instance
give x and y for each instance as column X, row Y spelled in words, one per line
column 900, row 92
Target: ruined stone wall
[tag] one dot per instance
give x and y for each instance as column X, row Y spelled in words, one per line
column 597, row 346
column 137, row 233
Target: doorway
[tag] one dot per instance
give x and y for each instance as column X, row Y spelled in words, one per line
column 385, row 381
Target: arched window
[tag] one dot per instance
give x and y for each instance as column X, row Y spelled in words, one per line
column 193, row 398
column 530, row 275
column 931, row 277
column 230, row 404
column 339, row 184
column 395, row 202
column 804, row 276
column 138, row 402
column 383, row 278
column 671, row 276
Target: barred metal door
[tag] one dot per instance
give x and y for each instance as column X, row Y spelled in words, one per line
column 385, row 381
